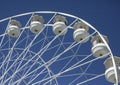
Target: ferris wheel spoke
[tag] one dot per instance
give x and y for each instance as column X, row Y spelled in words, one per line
column 69, row 69
column 1, row 42
column 91, row 79
column 30, row 77
column 58, row 56
column 44, row 53
column 79, row 67
column 30, row 45
column 5, row 79
column 51, row 42
column 37, row 76
column 54, row 54
column 83, row 73
column 44, row 77
column 26, row 48
column 58, row 35
column 43, row 40
column 67, row 49
column 68, row 57
column 55, row 58
column 37, row 69
column 7, row 63
column 74, row 54
column 82, row 70
column 4, row 44
column 59, row 46
column 32, row 66
column 77, row 74
column 26, row 40
column 35, row 38
column 13, row 56
column 1, row 35
column 10, row 52
column 19, row 80
column 10, row 82
column 21, row 67
column 10, row 79
column 82, row 59
column 41, row 80
column 13, row 76
column 54, row 77
column 41, row 74
column 23, row 77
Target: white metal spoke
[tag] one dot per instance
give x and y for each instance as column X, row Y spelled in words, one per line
column 10, row 52
column 50, row 56
column 32, row 41
column 4, row 33
column 55, row 58
column 40, row 67
column 81, row 74
column 77, row 74
column 27, row 49
column 35, row 38
column 91, row 79
column 69, row 69
column 50, row 43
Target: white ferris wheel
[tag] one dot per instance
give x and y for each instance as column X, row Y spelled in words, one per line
column 54, row 48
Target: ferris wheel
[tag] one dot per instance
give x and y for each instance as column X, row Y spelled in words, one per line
column 54, row 48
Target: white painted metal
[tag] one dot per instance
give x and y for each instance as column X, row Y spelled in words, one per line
column 110, row 72
column 13, row 29
column 97, row 39
column 59, row 28
column 98, row 46
column 45, row 48
column 99, row 50
column 80, row 34
column 36, row 27
column 80, row 25
column 37, row 24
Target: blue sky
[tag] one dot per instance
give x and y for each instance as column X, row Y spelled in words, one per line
column 104, row 15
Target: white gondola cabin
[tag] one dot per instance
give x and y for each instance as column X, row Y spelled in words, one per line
column 37, row 24
column 110, row 70
column 99, row 49
column 59, row 25
column 81, row 33
column 13, row 29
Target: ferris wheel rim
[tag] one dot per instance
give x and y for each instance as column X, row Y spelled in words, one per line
column 72, row 16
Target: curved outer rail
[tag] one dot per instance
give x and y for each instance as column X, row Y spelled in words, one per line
column 72, row 16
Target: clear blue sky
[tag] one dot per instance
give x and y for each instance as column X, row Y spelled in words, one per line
column 104, row 15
